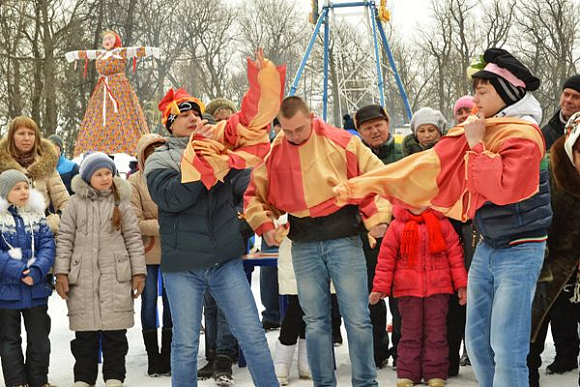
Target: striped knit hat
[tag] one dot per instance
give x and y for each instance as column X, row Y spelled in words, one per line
column 92, row 162
column 509, row 77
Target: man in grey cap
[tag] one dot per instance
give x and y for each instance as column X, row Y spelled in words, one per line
column 569, row 104
column 372, row 123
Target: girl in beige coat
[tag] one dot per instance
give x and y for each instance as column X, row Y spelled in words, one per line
column 100, row 269
column 146, row 211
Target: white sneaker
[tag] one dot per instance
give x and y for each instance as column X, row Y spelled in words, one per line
column 82, row 384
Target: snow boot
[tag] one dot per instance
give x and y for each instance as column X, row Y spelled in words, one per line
column 533, row 376
column 166, row 338
column 436, row 382
column 207, row 370
column 223, row 371
column 152, row 349
column 405, row 383
column 561, row 366
column 282, row 361
column 303, row 367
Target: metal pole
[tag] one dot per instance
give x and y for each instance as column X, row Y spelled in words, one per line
column 375, row 20
column 308, row 51
column 395, row 72
column 326, row 59
column 348, row 5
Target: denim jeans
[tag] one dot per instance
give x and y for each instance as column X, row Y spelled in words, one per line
column 229, row 286
column 343, row 261
column 269, row 289
column 500, row 291
column 218, row 337
column 149, row 301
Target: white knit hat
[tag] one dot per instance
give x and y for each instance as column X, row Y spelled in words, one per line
column 428, row 116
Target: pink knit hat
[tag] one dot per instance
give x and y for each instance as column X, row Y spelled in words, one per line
column 464, row 102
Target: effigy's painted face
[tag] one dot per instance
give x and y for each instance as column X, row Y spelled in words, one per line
column 108, row 41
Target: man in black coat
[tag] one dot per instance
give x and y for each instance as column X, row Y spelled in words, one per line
column 569, row 104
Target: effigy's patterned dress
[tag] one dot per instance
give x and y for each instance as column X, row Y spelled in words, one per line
column 114, row 120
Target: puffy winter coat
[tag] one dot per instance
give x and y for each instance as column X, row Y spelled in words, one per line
column 554, row 129
column 43, row 176
column 99, row 260
column 145, row 208
column 199, row 227
column 67, row 169
column 21, row 227
column 430, row 274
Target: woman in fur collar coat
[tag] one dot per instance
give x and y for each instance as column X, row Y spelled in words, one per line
column 100, row 268
column 558, row 290
column 25, row 150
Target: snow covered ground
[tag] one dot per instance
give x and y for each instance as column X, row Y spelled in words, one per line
column 61, row 361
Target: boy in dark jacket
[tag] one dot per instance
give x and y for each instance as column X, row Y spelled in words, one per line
column 201, row 241
column 27, row 253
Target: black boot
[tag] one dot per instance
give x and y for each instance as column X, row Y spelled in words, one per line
column 206, row 371
column 562, row 365
column 533, row 377
column 166, row 337
column 223, row 371
column 152, row 348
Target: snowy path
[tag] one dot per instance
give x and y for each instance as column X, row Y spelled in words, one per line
column 61, row 361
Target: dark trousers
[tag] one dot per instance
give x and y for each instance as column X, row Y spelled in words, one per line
column 455, row 332
column 149, row 299
column 423, row 351
column 378, row 311
column 34, row 370
column 397, row 323
column 85, row 349
column 293, row 325
column 564, row 317
column 219, row 339
column 269, row 289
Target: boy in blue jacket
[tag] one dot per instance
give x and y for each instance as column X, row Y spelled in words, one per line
column 27, row 252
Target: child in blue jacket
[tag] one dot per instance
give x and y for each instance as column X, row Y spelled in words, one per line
column 27, row 252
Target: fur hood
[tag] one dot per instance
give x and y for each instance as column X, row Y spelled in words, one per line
column 42, row 167
column 528, row 108
column 566, row 177
column 35, row 203
column 84, row 190
column 144, row 142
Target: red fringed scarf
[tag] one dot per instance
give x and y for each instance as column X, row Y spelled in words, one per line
column 410, row 241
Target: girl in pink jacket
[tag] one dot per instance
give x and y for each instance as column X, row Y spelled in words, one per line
column 421, row 260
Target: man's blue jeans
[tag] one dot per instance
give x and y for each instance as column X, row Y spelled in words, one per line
column 500, row 291
column 149, row 301
column 343, row 261
column 228, row 285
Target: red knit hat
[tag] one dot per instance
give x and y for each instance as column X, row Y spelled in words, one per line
column 176, row 102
